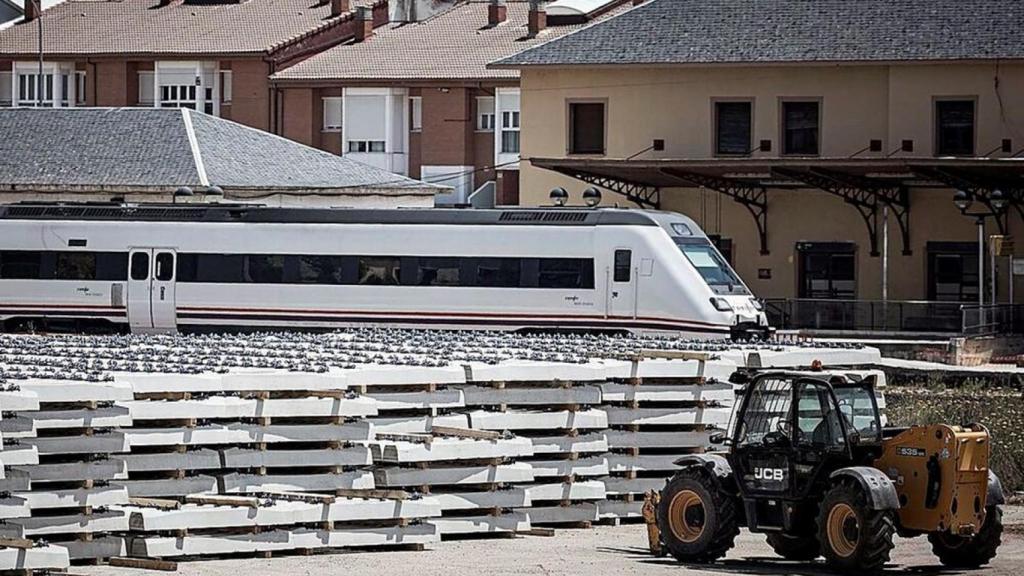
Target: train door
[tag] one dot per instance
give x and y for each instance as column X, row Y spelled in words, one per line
column 151, row 290
column 622, row 284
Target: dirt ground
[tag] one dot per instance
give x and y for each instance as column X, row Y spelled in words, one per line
column 602, row 551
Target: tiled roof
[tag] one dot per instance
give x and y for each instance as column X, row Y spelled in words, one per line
column 152, row 148
column 454, row 45
column 126, row 27
column 753, row 31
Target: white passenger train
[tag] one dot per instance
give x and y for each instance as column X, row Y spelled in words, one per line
column 161, row 268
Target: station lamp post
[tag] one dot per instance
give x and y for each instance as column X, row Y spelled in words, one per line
column 996, row 203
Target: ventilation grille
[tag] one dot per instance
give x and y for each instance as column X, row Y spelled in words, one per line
column 105, row 212
column 554, row 216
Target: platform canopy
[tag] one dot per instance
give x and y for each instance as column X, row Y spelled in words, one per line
column 865, row 183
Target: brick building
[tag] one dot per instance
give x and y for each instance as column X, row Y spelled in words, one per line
column 214, row 56
column 418, row 98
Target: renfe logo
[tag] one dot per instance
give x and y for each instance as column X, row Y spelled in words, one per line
column 777, row 474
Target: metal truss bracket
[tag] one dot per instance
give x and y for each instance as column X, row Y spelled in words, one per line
column 979, row 190
column 752, row 196
column 865, row 195
column 644, row 196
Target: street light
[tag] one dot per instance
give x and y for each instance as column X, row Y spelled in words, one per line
column 962, row 200
column 995, row 205
column 214, row 193
column 181, row 192
column 998, row 200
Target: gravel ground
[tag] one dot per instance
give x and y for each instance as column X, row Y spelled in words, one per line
column 602, row 551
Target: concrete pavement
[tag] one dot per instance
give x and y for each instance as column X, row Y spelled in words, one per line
column 602, row 551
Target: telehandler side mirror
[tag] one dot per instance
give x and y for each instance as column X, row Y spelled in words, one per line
column 718, row 438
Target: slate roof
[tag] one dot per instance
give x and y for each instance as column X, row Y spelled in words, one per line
column 140, row 148
column 127, row 27
column 456, row 44
column 768, row 31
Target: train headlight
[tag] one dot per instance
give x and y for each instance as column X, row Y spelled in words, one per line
column 757, row 304
column 721, row 304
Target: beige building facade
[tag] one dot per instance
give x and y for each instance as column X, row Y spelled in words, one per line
column 892, row 103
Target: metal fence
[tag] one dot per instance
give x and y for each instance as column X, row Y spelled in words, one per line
column 909, row 316
column 992, row 319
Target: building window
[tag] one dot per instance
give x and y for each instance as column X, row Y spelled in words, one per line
column 733, row 133
column 146, row 93
column 510, row 132
column 586, row 128
column 225, row 86
column 28, row 90
column 332, row 113
column 954, row 127
column 6, row 89
column 415, row 114
column 80, row 87
column 178, row 96
column 953, row 271
column 485, row 114
column 827, row 270
column 801, row 128
column 366, row 146
column 724, row 246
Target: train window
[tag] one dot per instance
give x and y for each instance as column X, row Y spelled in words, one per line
column 565, row 273
column 264, row 269
column 164, row 266
column 75, row 266
column 497, row 272
column 710, row 265
column 111, row 265
column 20, row 265
column 321, row 269
column 623, row 263
column 140, row 266
column 216, row 268
column 437, row 272
column 379, row 270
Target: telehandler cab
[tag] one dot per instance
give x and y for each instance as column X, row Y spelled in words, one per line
column 810, row 465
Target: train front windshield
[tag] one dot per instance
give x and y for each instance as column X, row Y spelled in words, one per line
column 711, row 266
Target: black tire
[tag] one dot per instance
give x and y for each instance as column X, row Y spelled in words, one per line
column 801, row 548
column 970, row 551
column 860, row 538
column 702, row 531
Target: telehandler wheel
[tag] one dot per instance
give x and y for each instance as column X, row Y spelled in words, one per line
column 697, row 522
column 853, row 536
column 970, row 551
column 794, row 547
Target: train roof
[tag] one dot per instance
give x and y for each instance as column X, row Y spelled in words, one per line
column 214, row 213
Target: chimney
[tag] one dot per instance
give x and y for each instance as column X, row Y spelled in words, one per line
column 497, row 12
column 339, row 7
column 32, row 9
column 538, row 18
column 364, row 23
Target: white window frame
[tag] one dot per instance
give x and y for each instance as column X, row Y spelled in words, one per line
column 485, row 120
column 366, row 147
column 339, row 101
column 510, row 122
column 415, row 113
